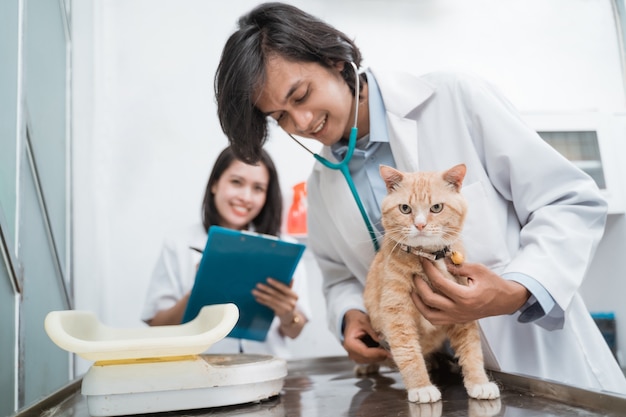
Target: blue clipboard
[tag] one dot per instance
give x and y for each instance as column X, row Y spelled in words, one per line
column 233, row 262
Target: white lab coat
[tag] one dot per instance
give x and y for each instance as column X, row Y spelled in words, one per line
column 513, row 179
column 174, row 275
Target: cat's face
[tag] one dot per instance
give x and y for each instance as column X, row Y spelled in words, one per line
column 424, row 209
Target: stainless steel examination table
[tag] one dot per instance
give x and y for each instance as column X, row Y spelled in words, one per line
column 327, row 387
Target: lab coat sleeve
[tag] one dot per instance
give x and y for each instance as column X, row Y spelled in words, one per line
column 560, row 209
column 166, row 284
column 300, row 287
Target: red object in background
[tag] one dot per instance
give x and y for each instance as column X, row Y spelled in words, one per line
column 296, row 217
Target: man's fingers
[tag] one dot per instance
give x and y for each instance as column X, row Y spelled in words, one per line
column 448, row 288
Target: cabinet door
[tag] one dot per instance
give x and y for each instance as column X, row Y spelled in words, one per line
column 8, row 201
column 35, row 273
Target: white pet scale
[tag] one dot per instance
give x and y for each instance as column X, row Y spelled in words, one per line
column 155, row 369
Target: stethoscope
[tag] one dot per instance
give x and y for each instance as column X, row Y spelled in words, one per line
column 343, row 165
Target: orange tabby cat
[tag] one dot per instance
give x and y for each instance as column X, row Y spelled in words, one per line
column 423, row 215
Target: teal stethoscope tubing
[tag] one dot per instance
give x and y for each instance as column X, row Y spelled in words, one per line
column 343, row 165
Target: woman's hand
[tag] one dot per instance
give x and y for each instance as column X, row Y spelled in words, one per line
column 360, row 340
column 173, row 315
column 486, row 294
column 282, row 300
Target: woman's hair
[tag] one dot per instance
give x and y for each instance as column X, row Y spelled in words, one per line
column 271, row 29
column 269, row 219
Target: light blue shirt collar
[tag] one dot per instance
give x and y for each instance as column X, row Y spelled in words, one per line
column 378, row 120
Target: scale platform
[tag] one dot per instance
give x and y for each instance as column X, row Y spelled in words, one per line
column 157, row 369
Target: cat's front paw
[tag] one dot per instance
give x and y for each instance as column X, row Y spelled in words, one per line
column 483, row 408
column 487, row 391
column 426, row 409
column 428, row 394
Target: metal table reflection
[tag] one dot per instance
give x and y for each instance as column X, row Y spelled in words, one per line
column 327, row 387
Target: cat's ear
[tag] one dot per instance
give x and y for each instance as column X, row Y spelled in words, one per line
column 455, row 176
column 391, row 176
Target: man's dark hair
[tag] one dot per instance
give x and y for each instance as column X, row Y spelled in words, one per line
column 271, row 29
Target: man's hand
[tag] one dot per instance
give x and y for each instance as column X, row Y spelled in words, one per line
column 360, row 340
column 447, row 302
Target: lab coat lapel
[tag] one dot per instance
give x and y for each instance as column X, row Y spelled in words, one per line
column 402, row 94
column 403, row 142
column 338, row 195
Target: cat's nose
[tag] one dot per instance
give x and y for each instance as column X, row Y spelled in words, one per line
column 420, row 221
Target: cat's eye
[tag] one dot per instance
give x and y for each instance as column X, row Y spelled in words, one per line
column 404, row 208
column 436, row 208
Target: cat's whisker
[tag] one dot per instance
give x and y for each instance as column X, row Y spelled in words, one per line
column 451, row 236
column 367, row 239
column 396, row 246
column 397, row 234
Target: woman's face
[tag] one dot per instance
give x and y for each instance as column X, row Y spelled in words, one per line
column 307, row 99
column 240, row 194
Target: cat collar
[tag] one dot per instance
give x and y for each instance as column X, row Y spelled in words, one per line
column 456, row 257
column 433, row 256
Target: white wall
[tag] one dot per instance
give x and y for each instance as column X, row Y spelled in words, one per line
column 145, row 129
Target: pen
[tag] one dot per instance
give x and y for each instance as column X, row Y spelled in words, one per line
column 196, row 249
